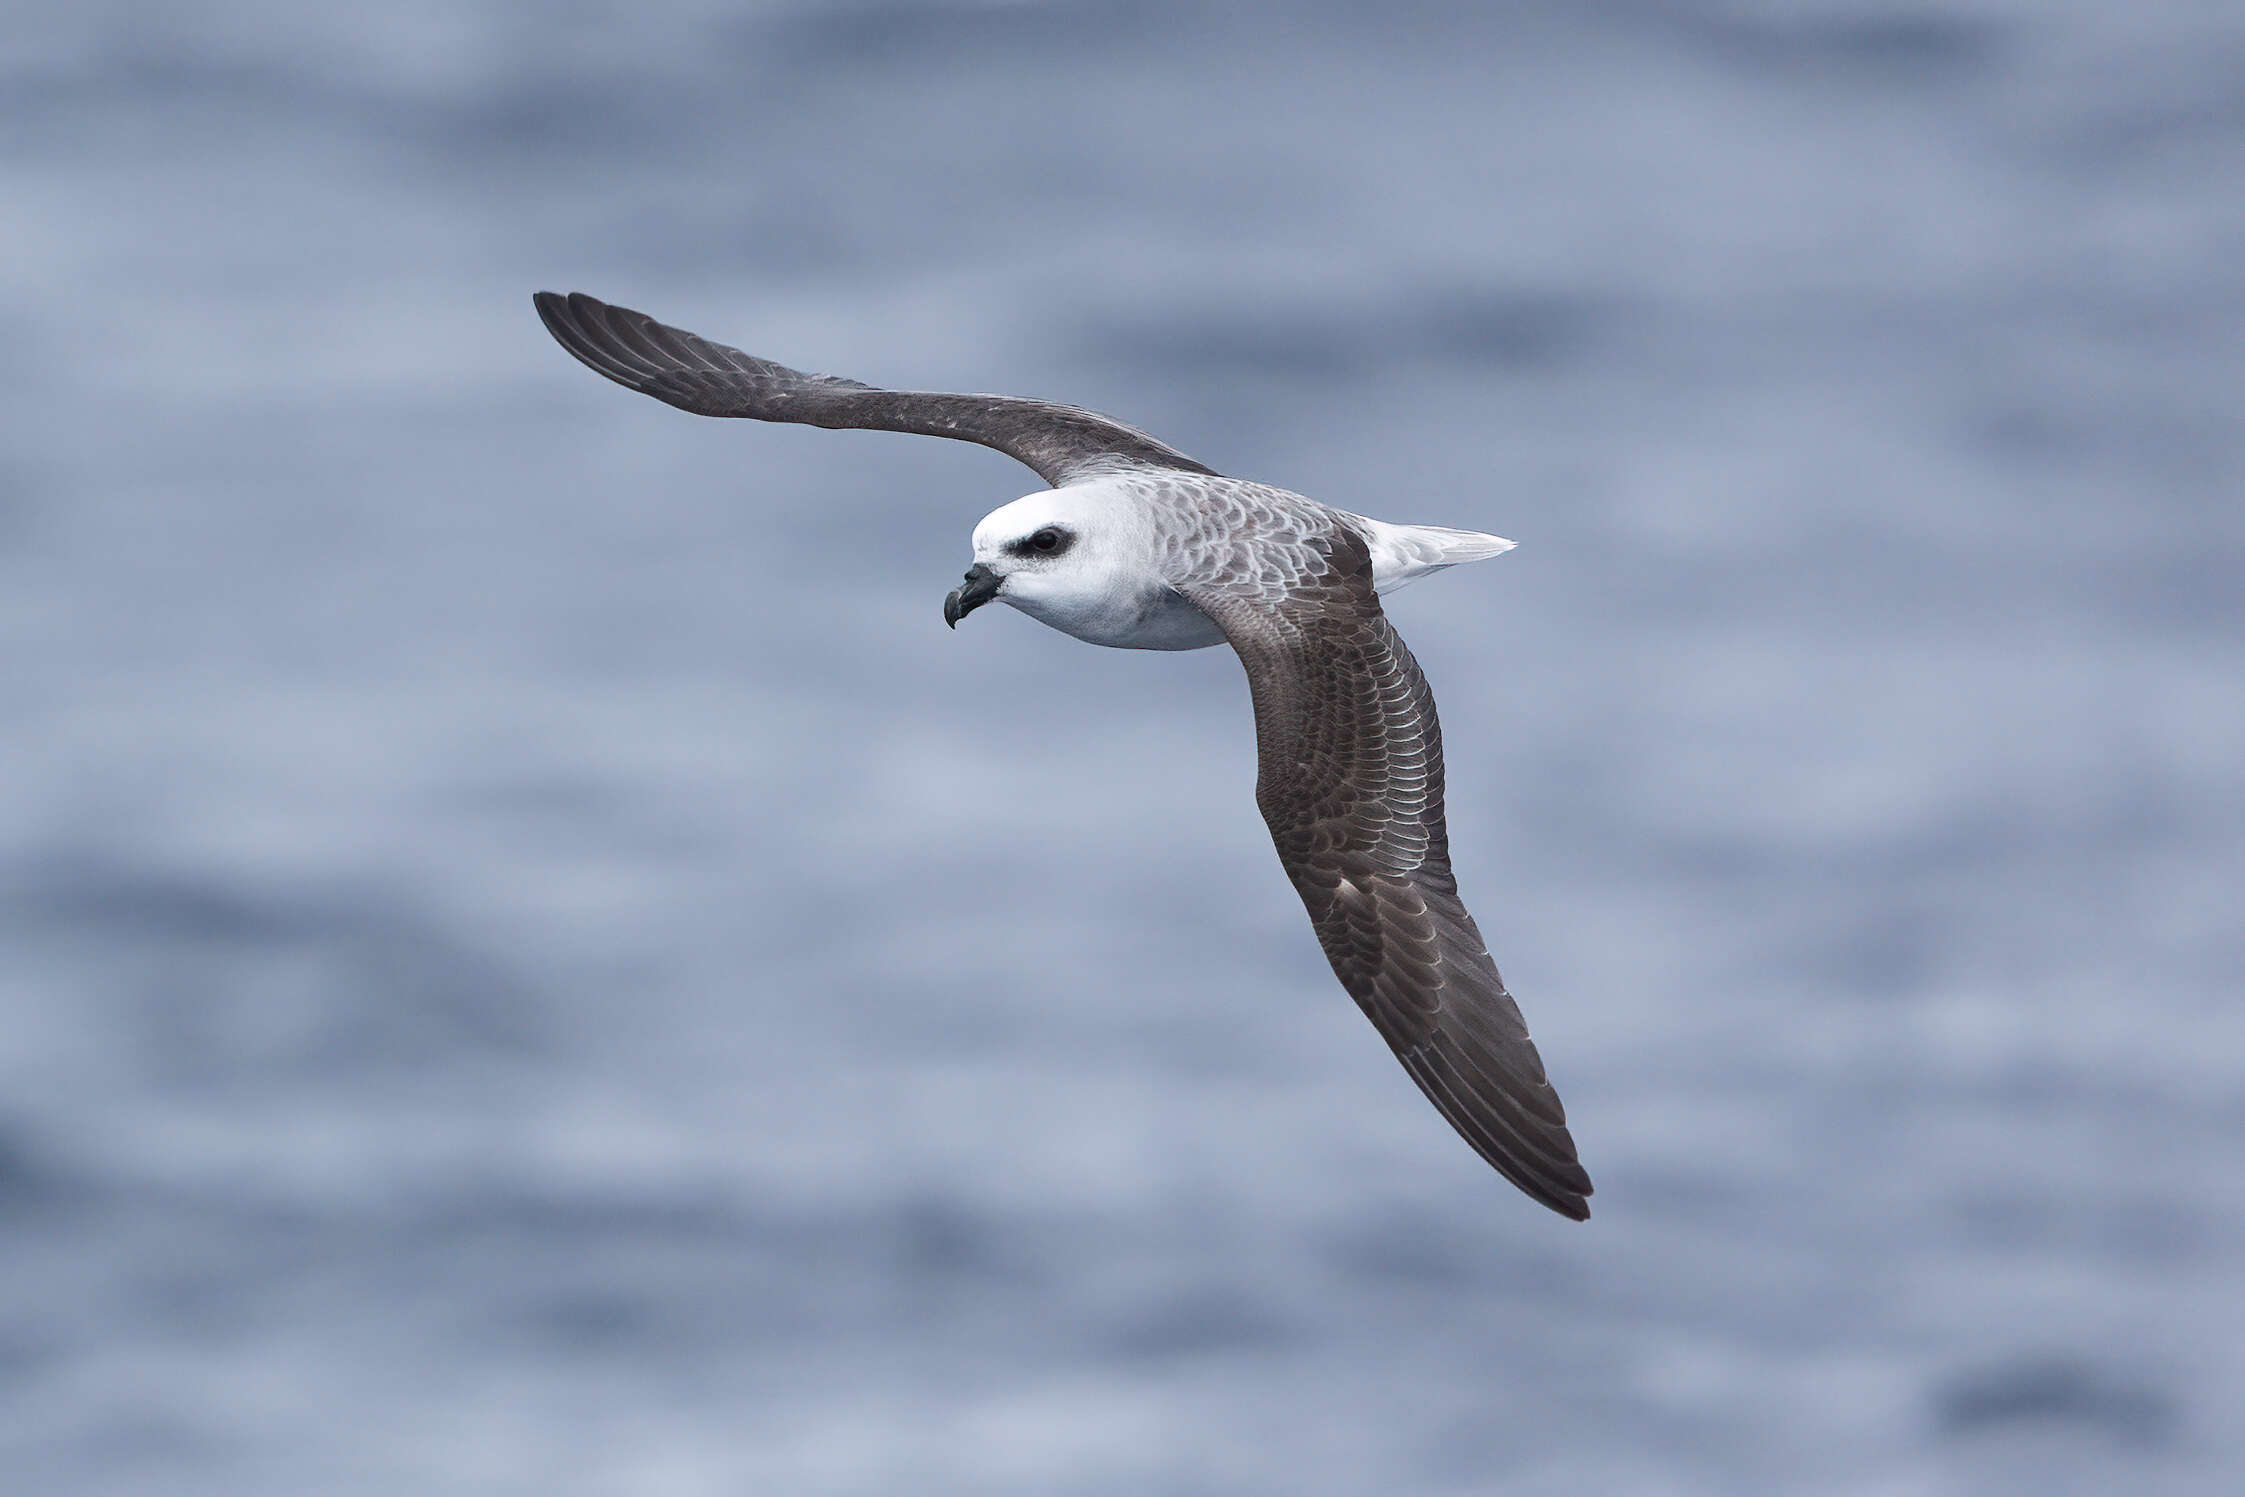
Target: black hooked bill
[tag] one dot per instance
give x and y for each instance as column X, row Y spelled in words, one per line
column 981, row 586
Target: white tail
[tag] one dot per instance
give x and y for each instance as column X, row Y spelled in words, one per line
column 1405, row 553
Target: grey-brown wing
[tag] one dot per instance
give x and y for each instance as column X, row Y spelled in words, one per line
column 709, row 379
column 1350, row 782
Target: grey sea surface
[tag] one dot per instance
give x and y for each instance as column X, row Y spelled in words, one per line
column 531, row 961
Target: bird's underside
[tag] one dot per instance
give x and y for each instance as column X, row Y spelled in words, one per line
column 1349, row 747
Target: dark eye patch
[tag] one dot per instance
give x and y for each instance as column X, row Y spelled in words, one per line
column 1049, row 540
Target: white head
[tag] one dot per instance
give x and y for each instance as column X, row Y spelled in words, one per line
column 1079, row 558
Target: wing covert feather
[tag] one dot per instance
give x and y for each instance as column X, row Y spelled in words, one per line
column 1349, row 780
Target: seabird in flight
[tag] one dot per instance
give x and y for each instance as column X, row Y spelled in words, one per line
column 1138, row 546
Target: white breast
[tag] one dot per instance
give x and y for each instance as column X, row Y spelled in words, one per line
column 1157, row 619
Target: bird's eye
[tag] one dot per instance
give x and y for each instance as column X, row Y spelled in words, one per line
column 1050, row 540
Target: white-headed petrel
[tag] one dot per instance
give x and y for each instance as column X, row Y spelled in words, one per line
column 1136, row 545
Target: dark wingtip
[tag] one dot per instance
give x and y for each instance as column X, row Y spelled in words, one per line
column 1570, row 1194
column 552, row 310
column 581, row 325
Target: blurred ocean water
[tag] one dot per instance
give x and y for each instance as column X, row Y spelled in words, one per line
column 534, row 963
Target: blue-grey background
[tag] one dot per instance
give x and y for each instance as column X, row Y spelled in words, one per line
column 530, row 962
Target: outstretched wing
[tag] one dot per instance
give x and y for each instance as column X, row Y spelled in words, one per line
column 1350, row 781
column 710, row 379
